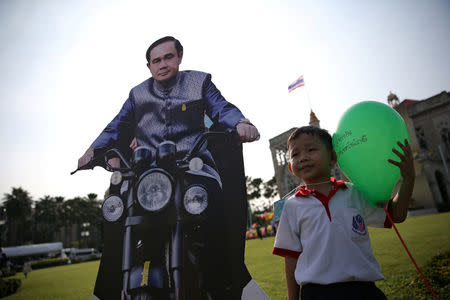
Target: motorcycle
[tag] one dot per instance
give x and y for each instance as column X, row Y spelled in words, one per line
column 159, row 213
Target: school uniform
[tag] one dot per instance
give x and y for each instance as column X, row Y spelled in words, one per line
column 328, row 234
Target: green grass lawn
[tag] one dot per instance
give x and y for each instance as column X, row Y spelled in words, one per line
column 58, row 283
column 425, row 236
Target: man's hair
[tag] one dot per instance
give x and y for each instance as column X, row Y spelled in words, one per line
column 322, row 134
column 178, row 46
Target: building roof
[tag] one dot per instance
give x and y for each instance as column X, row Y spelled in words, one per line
column 408, row 102
column 36, row 249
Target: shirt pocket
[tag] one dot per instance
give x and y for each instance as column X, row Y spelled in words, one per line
column 190, row 112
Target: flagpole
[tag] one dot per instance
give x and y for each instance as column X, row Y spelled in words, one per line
column 307, row 94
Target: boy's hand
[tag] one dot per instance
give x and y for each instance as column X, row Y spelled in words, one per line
column 403, row 198
column 406, row 163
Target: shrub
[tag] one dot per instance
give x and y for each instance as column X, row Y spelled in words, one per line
column 85, row 258
column 8, row 272
column 9, row 286
column 443, row 207
column 45, row 263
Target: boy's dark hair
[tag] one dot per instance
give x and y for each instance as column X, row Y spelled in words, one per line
column 178, row 46
column 322, row 134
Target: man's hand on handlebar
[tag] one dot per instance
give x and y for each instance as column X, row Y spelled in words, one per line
column 114, row 163
column 86, row 158
column 247, row 132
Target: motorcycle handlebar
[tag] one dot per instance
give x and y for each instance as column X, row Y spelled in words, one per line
column 199, row 144
column 119, row 154
column 89, row 166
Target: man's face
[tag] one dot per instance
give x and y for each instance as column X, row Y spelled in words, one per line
column 310, row 160
column 164, row 61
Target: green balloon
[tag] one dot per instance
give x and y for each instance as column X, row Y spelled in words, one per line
column 363, row 142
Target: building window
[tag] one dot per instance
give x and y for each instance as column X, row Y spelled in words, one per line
column 281, row 157
column 442, row 186
column 421, row 138
column 445, row 136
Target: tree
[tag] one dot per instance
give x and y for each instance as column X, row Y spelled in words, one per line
column 86, row 213
column 18, row 216
column 92, row 196
column 257, row 187
column 260, row 194
column 3, row 226
column 271, row 188
column 254, row 187
column 48, row 218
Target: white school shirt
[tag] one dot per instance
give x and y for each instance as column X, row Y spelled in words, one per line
column 331, row 235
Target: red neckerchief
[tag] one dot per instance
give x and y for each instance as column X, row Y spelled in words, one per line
column 303, row 191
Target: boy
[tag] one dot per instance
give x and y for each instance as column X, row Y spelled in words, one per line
column 322, row 231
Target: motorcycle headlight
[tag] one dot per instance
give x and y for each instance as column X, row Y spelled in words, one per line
column 195, row 200
column 154, row 191
column 112, row 208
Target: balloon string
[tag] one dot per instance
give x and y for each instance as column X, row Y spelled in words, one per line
column 317, row 183
column 410, row 255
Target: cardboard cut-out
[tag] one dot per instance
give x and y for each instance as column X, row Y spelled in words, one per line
column 153, row 275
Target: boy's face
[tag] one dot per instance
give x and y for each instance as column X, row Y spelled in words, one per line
column 310, row 160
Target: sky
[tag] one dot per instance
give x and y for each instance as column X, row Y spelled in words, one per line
column 66, row 67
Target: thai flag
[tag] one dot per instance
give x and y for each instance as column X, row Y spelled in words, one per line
column 298, row 83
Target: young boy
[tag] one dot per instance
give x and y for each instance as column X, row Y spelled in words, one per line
column 322, row 231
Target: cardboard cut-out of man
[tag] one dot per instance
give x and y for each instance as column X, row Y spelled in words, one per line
column 171, row 105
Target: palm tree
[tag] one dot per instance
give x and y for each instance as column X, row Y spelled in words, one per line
column 48, row 218
column 18, row 216
column 84, row 210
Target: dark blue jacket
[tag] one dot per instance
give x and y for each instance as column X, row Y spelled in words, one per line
column 154, row 113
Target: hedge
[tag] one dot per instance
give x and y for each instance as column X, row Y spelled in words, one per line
column 9, row 286
column 7, row 272
column 85, row 258
column 45, row 263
